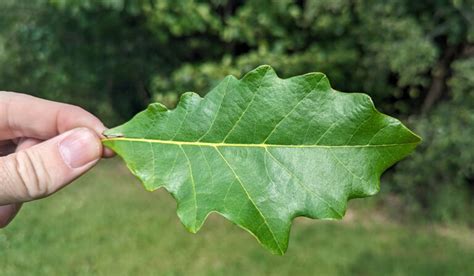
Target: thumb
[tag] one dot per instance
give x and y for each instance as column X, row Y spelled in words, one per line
column 43, row 169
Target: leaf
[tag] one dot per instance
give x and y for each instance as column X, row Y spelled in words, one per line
column 262, row 150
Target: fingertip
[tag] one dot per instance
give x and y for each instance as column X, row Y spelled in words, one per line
column 7, row 213
column 80, row 147
column 99, row 128
column 107, row 153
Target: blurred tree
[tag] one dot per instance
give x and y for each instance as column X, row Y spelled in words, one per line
column 112, row 56
column 99, row 54
column 438, row 179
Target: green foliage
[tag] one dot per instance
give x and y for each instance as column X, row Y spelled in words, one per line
column 439, row 178
column 98, row 54
column 263, row 150
column 384, row 43
column 144, row 49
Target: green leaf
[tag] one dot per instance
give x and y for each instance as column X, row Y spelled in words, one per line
column 262, row 150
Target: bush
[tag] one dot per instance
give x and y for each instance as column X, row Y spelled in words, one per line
column 438, row 179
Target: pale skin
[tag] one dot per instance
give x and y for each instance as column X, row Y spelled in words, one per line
column 44, row 146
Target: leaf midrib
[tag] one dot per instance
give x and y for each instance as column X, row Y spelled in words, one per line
column 209, row 144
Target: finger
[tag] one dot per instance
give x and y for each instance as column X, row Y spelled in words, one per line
column 7, row 213
column 43, row 169
column 108, row 153
column 26, row 116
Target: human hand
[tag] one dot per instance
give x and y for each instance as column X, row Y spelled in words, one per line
column 44, row 146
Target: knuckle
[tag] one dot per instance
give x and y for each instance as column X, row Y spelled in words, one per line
column 32, row 177
column 74, row 109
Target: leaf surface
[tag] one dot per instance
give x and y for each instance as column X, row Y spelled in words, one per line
column 262, row 150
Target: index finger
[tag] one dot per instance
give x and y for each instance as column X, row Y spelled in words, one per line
column 27, row 116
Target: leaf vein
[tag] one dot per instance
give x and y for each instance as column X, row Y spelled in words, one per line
column 286, row 116
column 359, row 126
column 205, row 144
column 193, row 183
column 302, row 185
column 246, row 108
column 217, row 112
column 250, row 198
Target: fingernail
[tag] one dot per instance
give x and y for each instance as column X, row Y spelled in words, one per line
column 80, row 147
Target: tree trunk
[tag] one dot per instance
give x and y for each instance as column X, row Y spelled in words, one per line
column 440, row 74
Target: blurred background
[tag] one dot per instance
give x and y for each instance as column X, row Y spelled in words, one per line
column 114, row 57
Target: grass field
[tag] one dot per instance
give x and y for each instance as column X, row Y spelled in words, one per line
column 107, row 224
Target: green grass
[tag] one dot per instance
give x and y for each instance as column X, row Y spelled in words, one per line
column 107, row 224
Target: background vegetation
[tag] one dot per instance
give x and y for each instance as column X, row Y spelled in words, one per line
column 415, row 58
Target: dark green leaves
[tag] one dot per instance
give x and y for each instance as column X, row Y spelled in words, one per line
column 263, row 150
